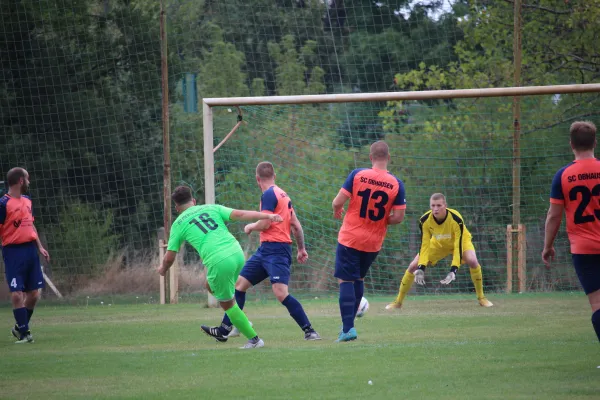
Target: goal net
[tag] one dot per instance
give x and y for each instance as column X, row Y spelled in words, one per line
column 462, row 148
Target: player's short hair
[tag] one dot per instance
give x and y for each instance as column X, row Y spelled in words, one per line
column 182, row 195
column 379, row 150
column 14, row 175
column 438, row 196
column 583, row 135
column 265, row 170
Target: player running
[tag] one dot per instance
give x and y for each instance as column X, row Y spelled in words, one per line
column 443, row 233
column 576, row 190
column 203, row 226
column 273, row 259
column 377, row 199
column 20, row 246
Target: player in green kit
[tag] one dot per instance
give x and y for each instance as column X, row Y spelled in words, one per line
column 203, row 226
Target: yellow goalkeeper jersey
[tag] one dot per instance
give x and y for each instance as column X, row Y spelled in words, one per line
column 447, row 236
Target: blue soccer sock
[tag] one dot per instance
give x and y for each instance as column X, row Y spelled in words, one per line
column 240, row 299
column 359, row 291
column 21, row 319
column 596, row 322
column 296, row 311
column 347, row 305
column 29, row 314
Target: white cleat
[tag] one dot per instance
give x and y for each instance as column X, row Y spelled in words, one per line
column 394, row 306
column 253, row 344
column 483, row 302
column 235, row 332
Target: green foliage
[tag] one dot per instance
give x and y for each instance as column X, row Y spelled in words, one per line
column 83, row 239
column 294, row 72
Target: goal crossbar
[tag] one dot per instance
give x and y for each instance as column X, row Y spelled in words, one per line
column 396, row 96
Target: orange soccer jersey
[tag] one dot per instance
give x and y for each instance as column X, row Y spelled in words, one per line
column 373, row 194
column 16, row 220
column 577, row 186
column 276, row 201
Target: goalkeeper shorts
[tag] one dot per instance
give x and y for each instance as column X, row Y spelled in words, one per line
column 439, row 253
column 222, row 276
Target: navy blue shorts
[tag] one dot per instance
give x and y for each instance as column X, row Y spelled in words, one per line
column 352, row 264
column 272, row 260
column 22, row 267
column 587, row 267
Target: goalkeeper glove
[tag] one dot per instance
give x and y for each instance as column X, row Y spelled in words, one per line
column 450, row 277
column 420, row 277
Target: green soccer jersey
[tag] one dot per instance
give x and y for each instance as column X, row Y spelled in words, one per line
column 204, row 228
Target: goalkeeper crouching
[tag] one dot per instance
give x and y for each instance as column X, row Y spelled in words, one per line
column 443, row 233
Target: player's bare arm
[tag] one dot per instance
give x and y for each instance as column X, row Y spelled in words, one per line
column 338, row 204
column 265, row 218
column 553, row 220
column 167, row 262
column 258, row 226
column 40, row 246
column 396, row 217
column 298, row 233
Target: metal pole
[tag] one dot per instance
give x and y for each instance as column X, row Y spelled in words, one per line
column 516, row 160
column 209, row 168
column 165, row 126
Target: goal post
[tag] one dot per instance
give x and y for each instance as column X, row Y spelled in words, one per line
column 461, row 146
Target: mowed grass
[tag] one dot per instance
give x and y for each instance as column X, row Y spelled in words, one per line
column 442, row 347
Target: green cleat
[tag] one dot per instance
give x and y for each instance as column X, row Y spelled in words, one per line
column 348, row 336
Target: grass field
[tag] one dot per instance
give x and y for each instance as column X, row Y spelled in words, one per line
column 443, row 347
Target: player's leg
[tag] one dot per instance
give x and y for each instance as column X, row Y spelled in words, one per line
column 405, row 284
column 251, row 274
column 34, row 282
column 366, row 260
column 222, row 278
column 31, row 299
column 14, row 265
column 594, row 299
column 347, row 271
column 587, row 267
column 281, row 292
column 277, row 261
column 470, row 258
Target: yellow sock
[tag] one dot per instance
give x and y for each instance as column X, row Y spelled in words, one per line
column 477, row 279
column 405, row 285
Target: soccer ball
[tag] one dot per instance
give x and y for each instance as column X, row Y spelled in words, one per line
column 363, row 307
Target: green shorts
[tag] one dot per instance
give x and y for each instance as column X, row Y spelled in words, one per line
column 222, row 276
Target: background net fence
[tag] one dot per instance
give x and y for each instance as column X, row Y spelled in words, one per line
column 80, row 108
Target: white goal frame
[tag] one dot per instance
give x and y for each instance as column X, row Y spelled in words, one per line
column 209, row 103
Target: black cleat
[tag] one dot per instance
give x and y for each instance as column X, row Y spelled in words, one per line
column 214, row 332
column 311, row 335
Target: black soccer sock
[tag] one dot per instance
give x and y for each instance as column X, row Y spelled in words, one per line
column 296, row 311
column 347, row 305
column 21, row 319
column 596, row 323
column 359, row 291
column 29, row 314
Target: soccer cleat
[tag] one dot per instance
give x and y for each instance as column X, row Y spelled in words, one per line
column 254, row 344
column 235, row 332
column 215, row 333
column 15, row 332
column 483, row 302
column 312, row 335
column 348, row 336
column 26, row 338
column 394, row 305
